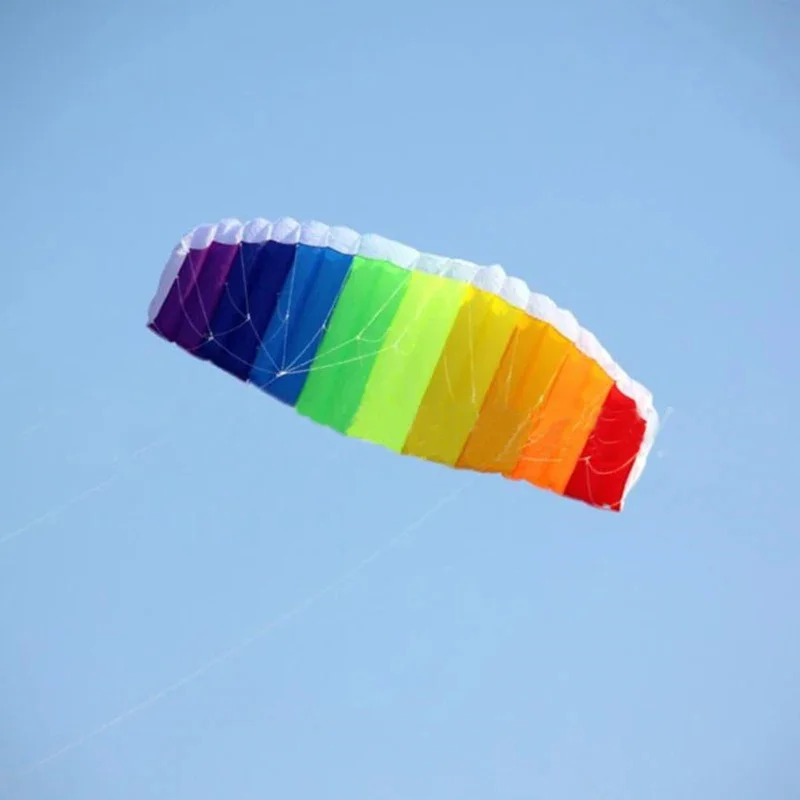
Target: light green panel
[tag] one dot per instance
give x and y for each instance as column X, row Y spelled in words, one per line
column 412, row 347
column 355, row 337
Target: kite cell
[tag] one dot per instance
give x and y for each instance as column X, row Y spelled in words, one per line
column 428, row 356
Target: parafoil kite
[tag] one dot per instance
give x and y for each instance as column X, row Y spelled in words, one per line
column 428, row 356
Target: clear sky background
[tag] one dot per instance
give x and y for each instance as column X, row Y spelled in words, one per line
column 638, row 162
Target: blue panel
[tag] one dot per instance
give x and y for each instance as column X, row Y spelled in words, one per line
column 296, row 329
column 247, row 304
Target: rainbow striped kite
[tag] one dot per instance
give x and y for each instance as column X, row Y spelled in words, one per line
column 429, row 356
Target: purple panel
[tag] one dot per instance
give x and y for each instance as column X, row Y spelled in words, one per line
column 170, row 316
column 201, row 301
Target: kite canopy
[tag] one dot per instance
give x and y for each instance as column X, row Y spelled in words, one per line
column 429, row 356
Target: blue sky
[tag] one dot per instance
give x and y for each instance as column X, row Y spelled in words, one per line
column 639, row 164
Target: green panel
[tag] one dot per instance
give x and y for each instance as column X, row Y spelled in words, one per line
column 355, row 336
column 402, row 371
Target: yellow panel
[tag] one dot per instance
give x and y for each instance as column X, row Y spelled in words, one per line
column 529, row 367
column 562, row 424
column 462, row 377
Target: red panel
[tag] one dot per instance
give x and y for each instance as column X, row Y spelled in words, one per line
column 607, row 459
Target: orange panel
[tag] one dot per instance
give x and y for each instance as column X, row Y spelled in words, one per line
column 529, row 367
column 561, row 426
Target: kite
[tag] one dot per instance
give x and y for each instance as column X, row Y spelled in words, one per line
column 429, row 356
